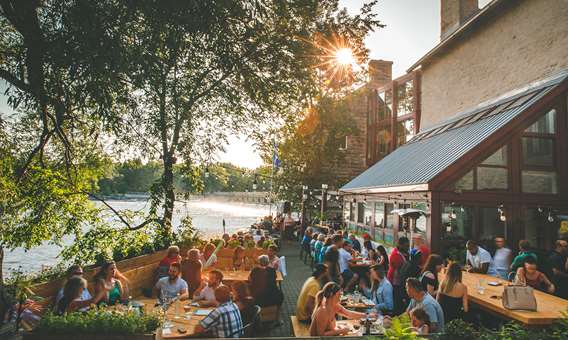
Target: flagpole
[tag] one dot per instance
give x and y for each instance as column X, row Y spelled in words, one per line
column 270, row 195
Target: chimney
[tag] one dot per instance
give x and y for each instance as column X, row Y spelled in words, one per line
column 455, row 13
column 380, row 73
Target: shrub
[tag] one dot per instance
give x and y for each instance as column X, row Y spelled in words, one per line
column 99, row 321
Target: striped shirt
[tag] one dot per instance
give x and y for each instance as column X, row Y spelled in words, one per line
column 224, row 321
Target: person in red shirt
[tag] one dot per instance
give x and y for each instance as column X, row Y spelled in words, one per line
column 420, row 246
column 397, row 258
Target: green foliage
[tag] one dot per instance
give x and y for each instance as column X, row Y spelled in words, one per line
column 457, row 254
column 233, row 244
column 99, row 321
column 401, row 329
column 459, row 329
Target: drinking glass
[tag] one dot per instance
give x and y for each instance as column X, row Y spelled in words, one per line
column 481, row 286
column 165, row 304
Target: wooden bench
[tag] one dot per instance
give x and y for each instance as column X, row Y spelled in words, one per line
column 301, row 330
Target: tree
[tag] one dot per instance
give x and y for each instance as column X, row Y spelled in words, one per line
column 202, row 69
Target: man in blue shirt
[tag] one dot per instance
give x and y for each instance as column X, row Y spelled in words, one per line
column 421, row 299
column 380, row 291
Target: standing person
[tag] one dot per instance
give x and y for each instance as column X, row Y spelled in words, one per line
column 326, row 244
column 527, row 275
column 224, row 321
column 331, row 260
column 380, row 292
column 263, row 286
column 191, row 270
column 421, row 299
column 429, row 274
column 74, row 271
column 398, row 257
column 239, row 258
column 478, row 259
column 345, row 261
column 452, row 294
column 173, row 285
column 305, row 244
column 326, row 310
column 383, row 258
column 419, row 246
column 307, row 298
column 205, row 294
column 289, row 224
column 525, row 251
column 355, row 242
column 111, row 283
column 318, row 247
column 558, row 263
column 502, row 258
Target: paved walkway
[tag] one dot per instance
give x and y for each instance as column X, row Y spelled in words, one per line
column 298, row 272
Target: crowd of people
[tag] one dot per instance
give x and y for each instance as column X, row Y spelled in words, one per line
column 182, row 278
column 408, row 279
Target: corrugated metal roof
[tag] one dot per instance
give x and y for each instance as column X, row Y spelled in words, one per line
column 422, row 159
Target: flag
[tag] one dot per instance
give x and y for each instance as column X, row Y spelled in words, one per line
column 275, row 159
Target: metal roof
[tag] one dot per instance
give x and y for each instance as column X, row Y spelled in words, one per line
column 416, row 163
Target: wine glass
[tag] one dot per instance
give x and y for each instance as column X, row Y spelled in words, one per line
column 165, row 304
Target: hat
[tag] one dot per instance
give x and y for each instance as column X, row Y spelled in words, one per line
column 348, row 242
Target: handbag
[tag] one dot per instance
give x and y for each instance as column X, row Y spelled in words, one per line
column 519, row 298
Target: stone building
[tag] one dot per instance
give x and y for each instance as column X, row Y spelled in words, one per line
column 475, row 136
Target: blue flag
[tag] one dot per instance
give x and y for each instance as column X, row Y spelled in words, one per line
column 275, row 159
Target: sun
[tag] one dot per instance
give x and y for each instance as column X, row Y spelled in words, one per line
column 344, row 56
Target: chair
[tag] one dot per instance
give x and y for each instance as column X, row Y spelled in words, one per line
column 252, row 317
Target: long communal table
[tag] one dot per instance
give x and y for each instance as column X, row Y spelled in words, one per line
column 549, row 307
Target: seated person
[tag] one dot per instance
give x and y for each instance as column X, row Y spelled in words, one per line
column 307, row 298
column 380, row 291
column 420, row 321
column 191, row 270
column 345, row 261
column 74, row 270
column 274, row 260
column 225, row 320
column 205, row 294
column 244, row 300
column 111, row 283
column 421, row 299
column 479, row 260
column 528, row 275
column 209, row 257
column 327, row 308
column 239, row 258
column 171, row 257
column 262, row 282
column 71, row 300
column 173, row 285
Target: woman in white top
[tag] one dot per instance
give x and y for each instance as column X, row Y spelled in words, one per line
column 502, row 258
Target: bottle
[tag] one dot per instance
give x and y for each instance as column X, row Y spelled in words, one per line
column 367, row 324
column 177, row 303
column 129, row 304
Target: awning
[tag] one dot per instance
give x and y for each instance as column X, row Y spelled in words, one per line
column 412, row 166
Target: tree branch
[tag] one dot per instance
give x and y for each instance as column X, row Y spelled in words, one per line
column 14, row 80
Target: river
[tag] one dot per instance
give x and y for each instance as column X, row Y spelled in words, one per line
column 207, row 217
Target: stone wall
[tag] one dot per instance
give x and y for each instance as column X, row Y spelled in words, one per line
column 521, row 42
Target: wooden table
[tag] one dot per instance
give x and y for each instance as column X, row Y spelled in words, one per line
column 362, row 304
column 549, row 307
column 243, row 275
column 184, row 320
column 302, row 330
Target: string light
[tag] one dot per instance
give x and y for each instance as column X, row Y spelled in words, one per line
column 550, row 217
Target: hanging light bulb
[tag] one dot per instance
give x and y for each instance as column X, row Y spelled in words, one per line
column 550, row 217
column 539, row 209
column 206, row 172
column 453, row 214
column 502, row 216
column 462, row 209
column 254, row 183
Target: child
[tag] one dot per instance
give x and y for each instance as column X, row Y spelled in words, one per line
column 420, row 321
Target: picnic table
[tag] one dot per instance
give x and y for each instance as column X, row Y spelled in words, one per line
column 549, row 307
column 243, row 275
column 186, row 319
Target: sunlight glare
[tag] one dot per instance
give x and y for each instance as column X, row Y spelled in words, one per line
column 344, row 56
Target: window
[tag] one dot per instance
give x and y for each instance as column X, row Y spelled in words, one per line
column 404, row 131
column 385, row 105
column 457, row 222
column 466, row 182
column 390, row 216
column 538, row 156
column 343, row 143
column 490, row 225
column 351, row 211
column 368, row 212
column 360, row 212
column 405, row 98
column 379, row 214
column 491, row 174
column 492, row 178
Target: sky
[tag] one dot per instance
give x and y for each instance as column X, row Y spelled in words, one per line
column 412, row 29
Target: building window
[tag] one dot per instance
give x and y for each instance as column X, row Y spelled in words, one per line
column 537, row 154
column 379, row 214
column 360, row 212
column 389, row 207
column 457, row 222
column 351, row 211
column 404, row 131
column 405, row 98
column 343, row 143
column 490, row 225
column 466, row 182
column 491, row 174
column 368, row 212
